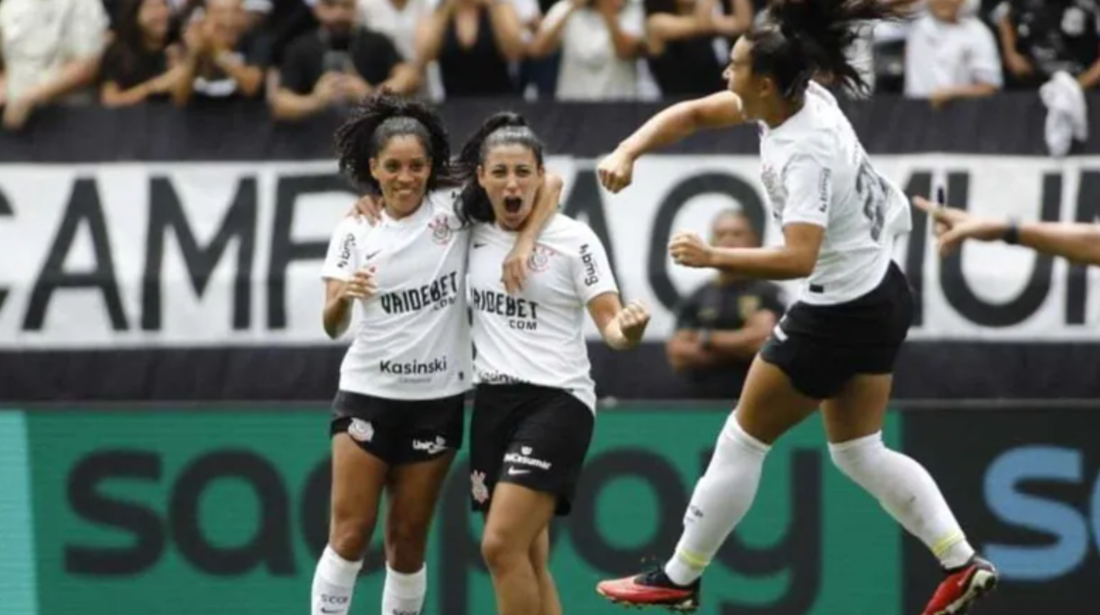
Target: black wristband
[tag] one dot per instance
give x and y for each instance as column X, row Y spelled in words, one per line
column 1012, row 235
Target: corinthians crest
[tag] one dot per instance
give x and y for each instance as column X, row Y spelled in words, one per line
column 540, row 258
column 441, row 229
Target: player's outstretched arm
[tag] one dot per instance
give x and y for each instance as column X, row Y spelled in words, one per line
column 667, row 127
column 1076, row 242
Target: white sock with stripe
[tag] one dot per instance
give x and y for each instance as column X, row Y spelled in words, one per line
column 907, row 492
column 333, row 584
column 721, row 498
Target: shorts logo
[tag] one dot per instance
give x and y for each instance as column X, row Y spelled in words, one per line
column 524, row 458
column 478, row 488
column 360, row 430
column 540, row 259
column 441, row 230
column 430, row 447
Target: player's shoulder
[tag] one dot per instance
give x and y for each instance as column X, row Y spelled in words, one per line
column 351, row 225
column 565, row 231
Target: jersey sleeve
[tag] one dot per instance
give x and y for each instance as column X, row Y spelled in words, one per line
column 342, row 259
column 808, row 181
column 592, row 275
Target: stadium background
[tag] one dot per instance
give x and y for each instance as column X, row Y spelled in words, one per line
column 164, row 381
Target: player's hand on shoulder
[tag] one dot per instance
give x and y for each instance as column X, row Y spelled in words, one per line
column 689, row 250
column 616, row 171
column 368, row 207
column 633, row 319
column 362, row 285
column 514, row 269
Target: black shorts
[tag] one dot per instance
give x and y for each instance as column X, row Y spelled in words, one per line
column 399, row 431
column 528, row 435
column 820, row 347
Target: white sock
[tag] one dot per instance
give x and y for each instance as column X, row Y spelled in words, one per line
column 333, row 584
column 404, row 593
column 720, row 501
column 907, row 492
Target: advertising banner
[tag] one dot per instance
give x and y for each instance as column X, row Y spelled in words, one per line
column 1025, row 485
column 228, row 254
column 186, row 511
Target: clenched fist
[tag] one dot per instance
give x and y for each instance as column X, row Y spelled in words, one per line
column 362, row 285
column 689, row 250
column 633, row 320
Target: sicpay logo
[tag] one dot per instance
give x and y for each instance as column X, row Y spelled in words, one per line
column 1028, row 488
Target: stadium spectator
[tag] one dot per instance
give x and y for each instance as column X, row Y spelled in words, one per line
column 51, row 52
column 721, row 327
column 1042, row 37
column 339, row 63
column 223, row 59
column 400, row 20
column 474, row 41
column 950, row 55
column 141, row 62
column 685, row 56
column 600, row 42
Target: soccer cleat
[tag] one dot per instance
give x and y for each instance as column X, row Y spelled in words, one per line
column 962, row 588
column 652, row 588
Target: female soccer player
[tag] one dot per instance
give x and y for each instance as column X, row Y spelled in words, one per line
column 835, row 348
column 1079, row 242
column 535, row 400
column 398, row 414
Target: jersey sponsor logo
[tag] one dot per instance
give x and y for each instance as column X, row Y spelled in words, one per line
column 540, row 258
column 825, row 189
column 591, row 272
column 346, row 248
column 773, row 185
column 410, row 370
column 524, row 458
column 360, row 430
column 522, row 314
column 441, row 229
column 441, row 293
column 478, row 489
column 498, row 378
column 431, row 447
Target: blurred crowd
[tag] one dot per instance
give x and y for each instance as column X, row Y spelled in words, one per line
column 304, row 56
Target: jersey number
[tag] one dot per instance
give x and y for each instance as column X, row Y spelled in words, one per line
column 872, row 190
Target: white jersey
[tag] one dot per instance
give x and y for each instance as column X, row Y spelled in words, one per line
column 537, row 336
column 412, row 338
column 816, row 172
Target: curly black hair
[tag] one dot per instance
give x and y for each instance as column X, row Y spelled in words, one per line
column 381, row 117
column 505, row 128
column 800, row 38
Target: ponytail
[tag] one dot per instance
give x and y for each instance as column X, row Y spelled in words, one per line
column 801, row 38
column 503, row 128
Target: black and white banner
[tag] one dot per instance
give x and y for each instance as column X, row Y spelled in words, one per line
column 229, row 254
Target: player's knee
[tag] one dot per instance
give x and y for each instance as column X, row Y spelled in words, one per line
column 405, row 546
column 854, row 457
column 349, row 538
column 499, row 552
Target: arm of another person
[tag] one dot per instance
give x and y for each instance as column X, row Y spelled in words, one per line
column 984, row 67
column 627, row 27
column 546, row 206
column 507, row 29
column 743, row 344
column 247, row 72
column 431, row 31
column 549, row 36
column 296, row 97
column 1078, row 242
column 683, row 349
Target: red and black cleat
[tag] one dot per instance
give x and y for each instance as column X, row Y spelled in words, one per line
column 652, row 588
column 962, row 588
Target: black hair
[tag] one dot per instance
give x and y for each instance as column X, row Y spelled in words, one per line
column 129, row 43
column 801, row 38
column 381, row 117
column 505, row 128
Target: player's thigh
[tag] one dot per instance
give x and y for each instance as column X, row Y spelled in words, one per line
column 859, row 409
column 770, row 405
column 517, row 517
column 358, row 478
column 413, row 492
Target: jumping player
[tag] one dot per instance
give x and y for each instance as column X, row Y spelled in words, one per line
column 836, row 346
column 535, row 401
column 397, row 418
